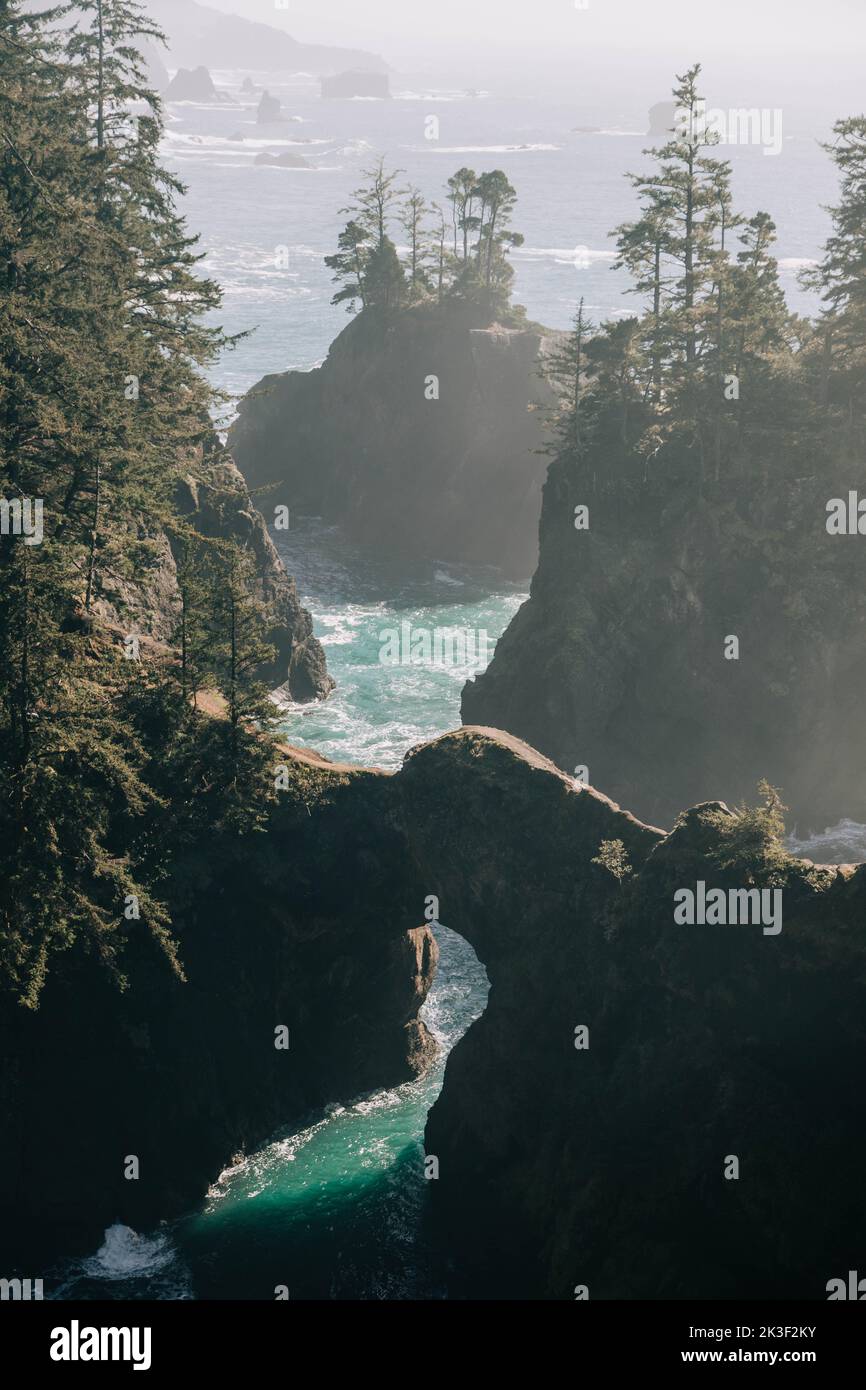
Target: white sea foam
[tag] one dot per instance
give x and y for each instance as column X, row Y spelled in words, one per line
column 433, row 148
column 843, row 843
column 562, row 255
column 440, row 96
column 124, row 1253
column 249, row 142
column 124, row 1259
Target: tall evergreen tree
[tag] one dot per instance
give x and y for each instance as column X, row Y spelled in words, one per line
column 565, row 368
column 101, row 398
column 413, row 213
column 840, row 278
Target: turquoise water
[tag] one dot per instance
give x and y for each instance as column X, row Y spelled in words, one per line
column 334, row 1210
column 378, row 711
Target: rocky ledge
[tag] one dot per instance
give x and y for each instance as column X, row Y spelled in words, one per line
column 213, row 497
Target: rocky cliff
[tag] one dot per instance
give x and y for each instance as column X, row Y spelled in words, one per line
column 215, row 500
column 622, row 659
column 199, row 34
column 313, row 927
column 419, row 436
column 604, row 1165
column 589, row 1119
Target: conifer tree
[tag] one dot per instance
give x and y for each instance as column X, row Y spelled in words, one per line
column 840, row 278
column 366, row 265
column 241, row 647
column 462, row 191
column 565, row 368
column 349, row 264
column 99, row 289
column 685, row 203
column 413, row 212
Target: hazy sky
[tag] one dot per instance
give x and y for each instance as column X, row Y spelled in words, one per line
column 754, row 52
column 746, row 26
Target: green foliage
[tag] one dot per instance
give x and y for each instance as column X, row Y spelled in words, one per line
column 103, row 409
column 713, row 377
column 752, row 839
column 475, row 269
column 565, row 369
column 613, row 857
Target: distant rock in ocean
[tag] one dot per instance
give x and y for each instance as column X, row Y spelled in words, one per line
column 269, row 109
column 284, row 160
column 195, row 85
column 662, row 117
column 248, row 85
column 345, row 85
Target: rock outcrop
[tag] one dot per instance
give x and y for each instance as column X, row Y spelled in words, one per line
column 598, row 1159
column 313, row 927
column 421, row 436
column 605, row 1166
column 284, row 160
column 215, row 499
column 269, row 109
column 195, row 85
column 621, row 661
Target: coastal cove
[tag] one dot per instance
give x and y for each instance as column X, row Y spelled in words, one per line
column 433, row 830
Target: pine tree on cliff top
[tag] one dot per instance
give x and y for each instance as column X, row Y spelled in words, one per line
column 673, row 245
column 366, row 265
column 841, row 276
column 706, row 300
column 367, row 268
column 413, row 212
column 565, row 369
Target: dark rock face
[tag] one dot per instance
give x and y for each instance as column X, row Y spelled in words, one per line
column 356, row 84
column 605, row 1166
column 617, row 662
column 192, row 86
column 313, row 927
column 217, row 502
column 222, row 506
column 357, row 441
column 559, row 1166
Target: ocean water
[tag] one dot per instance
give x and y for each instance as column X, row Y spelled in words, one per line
column 356, row 598
column 335, row 1210
column 567, row 162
